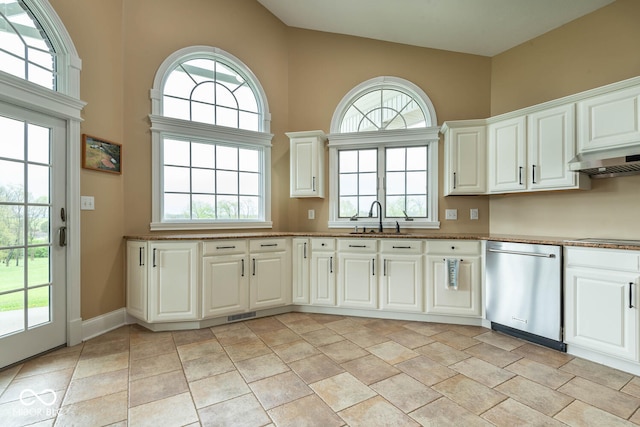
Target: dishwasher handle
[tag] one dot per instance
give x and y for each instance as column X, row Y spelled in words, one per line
column 501, row 251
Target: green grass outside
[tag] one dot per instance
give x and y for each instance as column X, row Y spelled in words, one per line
column 12, row 277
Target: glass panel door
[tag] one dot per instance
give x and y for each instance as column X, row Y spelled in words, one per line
column 32, row 260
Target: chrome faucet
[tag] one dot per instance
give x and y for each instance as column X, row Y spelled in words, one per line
column 379, row 213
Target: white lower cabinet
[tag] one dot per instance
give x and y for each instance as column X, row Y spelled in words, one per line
column 601, row 303
column 225, row 285
column 323, row 272
column 401, row 282
column 301, row 251
column 466, row 299
column 173, row 281
column 137, row 284
column 357, row 279
column 270, row 280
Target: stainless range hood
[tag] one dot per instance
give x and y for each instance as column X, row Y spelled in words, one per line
column 608, row 163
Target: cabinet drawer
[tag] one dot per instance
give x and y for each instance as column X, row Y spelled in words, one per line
column 267, row 245
column 606, row 259
column 450, row 247
column 401, row 247
column 222, row 247
column 357, row 245
column 323, row 244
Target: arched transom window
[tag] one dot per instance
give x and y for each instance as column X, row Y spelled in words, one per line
column 384, row 148
column 211, row 91
column 211, row 146
column 25, row 50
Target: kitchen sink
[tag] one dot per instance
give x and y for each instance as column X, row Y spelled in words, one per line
column 376, row 232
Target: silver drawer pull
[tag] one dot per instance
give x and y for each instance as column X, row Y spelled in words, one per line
column 225, row 247
column 265, row 245
column 357, row 246
column 500, row 251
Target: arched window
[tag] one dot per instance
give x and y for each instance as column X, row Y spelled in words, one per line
column 211, row 146
column 383, row 147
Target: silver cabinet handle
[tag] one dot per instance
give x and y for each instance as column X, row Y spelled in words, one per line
column 313, row 185
column 242, row 271
column 254, row 267
column 267, row 245
column 384, row 267
column 141, row 255
column 225, row 247
column 631, row 294
column 330, row 264
column 304, row 251
column 154, row 257
column 454, row 180
column 373, row 266
column 357, row 246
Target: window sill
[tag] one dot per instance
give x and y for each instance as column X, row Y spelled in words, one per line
column 231, row 225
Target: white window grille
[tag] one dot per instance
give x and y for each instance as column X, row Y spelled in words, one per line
column 384, row 147
column 211, row 146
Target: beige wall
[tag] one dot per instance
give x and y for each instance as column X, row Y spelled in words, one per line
column 305, row 74
column 592, row 51
column 323, row 67
column 95, row 28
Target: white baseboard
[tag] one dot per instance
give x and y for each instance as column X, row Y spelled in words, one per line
column 104, row 323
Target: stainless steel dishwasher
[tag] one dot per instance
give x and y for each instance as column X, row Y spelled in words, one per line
column 524, row 291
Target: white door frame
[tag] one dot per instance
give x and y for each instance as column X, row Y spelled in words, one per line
column 65, row 104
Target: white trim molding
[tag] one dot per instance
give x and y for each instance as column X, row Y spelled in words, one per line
column 104, row 323
column 63, row 103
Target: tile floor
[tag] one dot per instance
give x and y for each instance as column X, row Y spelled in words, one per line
column 301, row 369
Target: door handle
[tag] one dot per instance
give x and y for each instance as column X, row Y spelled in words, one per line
column 62, row 236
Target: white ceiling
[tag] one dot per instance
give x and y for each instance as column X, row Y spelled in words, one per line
column 481, row 27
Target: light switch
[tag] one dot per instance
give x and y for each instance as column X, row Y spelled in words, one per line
column 87, row 203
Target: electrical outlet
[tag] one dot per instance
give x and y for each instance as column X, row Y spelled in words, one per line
column 473, row 213
column 311, row 214
column 87, row 203
column 451, row 214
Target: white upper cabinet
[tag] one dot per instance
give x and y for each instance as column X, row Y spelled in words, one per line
column 609, row 120
column 307, row 163
column 550, row 146
column 465, row 158
column 507, row 155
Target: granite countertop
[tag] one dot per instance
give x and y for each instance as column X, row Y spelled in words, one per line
column 543, row 240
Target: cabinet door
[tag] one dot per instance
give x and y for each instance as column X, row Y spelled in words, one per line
column 507, row 155
column 323, row 278
column 300, row 269
column 306, row 169
column 551, row 145
column 466, row 300
column 609, row 121
column 467, row 160
column 601, row 311
column 225, row 285
column 270, row 281
column 401, row 283
column 173, row 281
column 357, row 283
column 137, row 301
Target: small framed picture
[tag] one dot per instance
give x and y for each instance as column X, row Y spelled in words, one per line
column 100, row 154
